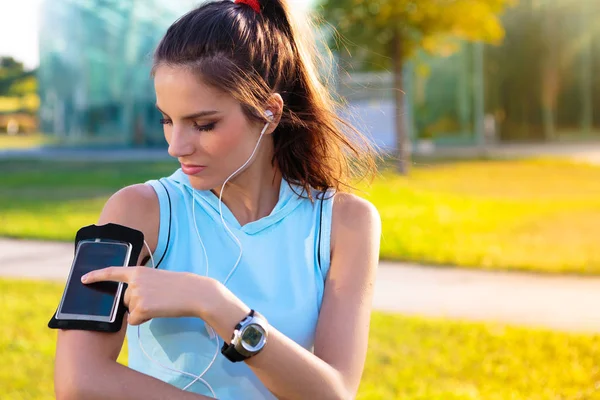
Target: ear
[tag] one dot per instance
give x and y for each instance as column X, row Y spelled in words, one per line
column 275, row 106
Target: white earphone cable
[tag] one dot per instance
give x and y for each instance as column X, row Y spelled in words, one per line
column 198, row 378
column 231, row 234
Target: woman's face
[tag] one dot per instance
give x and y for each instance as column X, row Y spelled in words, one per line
column 205, row 128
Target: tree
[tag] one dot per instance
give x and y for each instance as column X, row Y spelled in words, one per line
column 540, row 81
column 14, row 79
column 18, row 86
column 389, row 32
column 10, row 64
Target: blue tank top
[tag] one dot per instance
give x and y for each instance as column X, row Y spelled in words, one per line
column 281, row 275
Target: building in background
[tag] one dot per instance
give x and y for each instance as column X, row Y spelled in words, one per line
column 94, row 73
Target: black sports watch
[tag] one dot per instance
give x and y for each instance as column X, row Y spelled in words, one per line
column 249, row 338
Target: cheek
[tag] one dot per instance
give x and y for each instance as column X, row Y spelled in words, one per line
column 167, row 133
column 228, row 141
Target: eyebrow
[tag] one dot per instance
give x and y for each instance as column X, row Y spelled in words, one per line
column 199, row 114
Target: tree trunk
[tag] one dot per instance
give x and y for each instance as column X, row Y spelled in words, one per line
column 587, row 87
column 403, row 152
column 550, row 77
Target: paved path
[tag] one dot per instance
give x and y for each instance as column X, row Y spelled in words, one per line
column 557, row 302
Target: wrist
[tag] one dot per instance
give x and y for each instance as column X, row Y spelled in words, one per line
column 220, row 309
column 249, row 338
column 203, row 297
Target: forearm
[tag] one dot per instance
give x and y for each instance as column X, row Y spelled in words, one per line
column 292, row 372
column 112, row 381
column 287, row 369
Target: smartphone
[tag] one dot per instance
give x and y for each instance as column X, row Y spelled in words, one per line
column 98, row 301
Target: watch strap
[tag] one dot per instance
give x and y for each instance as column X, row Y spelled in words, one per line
column 229, row 351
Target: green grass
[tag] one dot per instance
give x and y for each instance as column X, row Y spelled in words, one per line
column 537, row 215
column 409, row 358
column 52, row 200
column 414, row 358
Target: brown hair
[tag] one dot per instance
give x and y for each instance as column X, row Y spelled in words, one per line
column 251, row 55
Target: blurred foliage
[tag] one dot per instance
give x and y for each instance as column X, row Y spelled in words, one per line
column 25, row 86
column 383, row 34
column 14, row 79
column 28, row 102
column 24, row 141
column 369, row 28
column 18, row 93
column 542, row 82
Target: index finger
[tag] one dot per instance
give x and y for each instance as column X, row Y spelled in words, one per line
column 112, row 274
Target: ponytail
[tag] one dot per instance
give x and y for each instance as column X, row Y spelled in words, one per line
column 252, row 55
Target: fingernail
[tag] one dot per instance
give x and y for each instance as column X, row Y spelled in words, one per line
column 84, row 278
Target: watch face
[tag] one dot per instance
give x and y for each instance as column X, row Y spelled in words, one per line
column 253, row 337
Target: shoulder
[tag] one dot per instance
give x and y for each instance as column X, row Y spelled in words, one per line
column 353, row 218
column 354, row 211
column 136, row 207
column 132, row 203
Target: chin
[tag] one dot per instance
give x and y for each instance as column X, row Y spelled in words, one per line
column 203, row 183
column 200, row 184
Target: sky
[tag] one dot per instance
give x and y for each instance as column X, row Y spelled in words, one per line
column 19, row 21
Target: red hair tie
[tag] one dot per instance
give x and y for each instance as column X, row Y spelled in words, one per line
column 254, row 4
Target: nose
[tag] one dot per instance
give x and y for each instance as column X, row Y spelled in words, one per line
column 181, row 144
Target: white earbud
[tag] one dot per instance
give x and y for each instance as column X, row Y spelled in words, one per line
column 212, row 334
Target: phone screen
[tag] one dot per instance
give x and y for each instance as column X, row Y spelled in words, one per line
column 98, row 298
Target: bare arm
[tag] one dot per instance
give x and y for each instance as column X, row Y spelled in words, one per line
column 86, row 362
column 335, row 370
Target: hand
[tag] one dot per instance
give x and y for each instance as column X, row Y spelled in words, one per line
column 153, row 293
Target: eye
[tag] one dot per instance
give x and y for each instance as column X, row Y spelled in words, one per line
column 204, row 128
column 165, row 121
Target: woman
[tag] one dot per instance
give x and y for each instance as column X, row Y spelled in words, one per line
column 263, row 289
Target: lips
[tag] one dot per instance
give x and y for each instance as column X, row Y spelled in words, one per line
column 190, row 169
